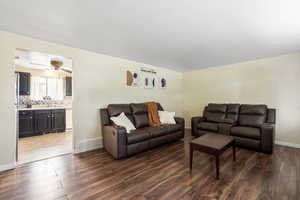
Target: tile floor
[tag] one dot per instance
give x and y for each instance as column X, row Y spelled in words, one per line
column 44, row 146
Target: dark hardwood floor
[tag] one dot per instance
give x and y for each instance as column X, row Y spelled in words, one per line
column 162, row 173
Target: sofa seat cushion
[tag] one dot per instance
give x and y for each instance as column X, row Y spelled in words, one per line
column 208, row 126
column 247, row 132
column 157, row 131
column 137, row 135
column 174, row 127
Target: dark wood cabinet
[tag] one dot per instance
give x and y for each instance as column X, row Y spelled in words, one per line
column 58, row 120
column 43, row 120
column 68, row 86
column 26, row 125
column 39, row 122
column 24, row 83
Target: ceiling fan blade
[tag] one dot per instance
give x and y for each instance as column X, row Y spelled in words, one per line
column 66, row 70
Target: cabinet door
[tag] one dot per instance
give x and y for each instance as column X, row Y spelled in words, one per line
column 59, row 120
column 24, row 83
column 43, row 119
column 26, row 127
column 68, row 86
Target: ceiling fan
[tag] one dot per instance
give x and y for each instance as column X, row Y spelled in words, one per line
column 58, row 64
column 42, row 61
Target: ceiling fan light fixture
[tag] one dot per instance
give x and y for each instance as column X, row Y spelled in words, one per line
column 56, row 63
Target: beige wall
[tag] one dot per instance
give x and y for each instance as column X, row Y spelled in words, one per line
column 100, row 80
column 97, row 81
column 272, row 81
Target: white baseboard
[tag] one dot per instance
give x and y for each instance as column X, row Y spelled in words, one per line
column 89, row 145
column 287, row 144
column 7, row 167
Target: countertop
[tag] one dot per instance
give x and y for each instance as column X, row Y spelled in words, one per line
column 67, row 107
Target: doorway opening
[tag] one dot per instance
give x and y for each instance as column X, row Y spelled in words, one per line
column 43, row 105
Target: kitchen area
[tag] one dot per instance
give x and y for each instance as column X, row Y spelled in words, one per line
column 43, row 105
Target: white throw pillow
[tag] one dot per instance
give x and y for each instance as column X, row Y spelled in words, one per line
column 122, row 120
column 166, row 117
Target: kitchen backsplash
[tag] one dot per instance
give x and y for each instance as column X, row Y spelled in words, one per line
column 25, row 100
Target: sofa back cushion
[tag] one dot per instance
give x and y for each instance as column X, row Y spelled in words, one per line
column 232, row 113
column 159, row 107
column 215, row 112
column 252, row 115
column 140, row 114
column 116, row 109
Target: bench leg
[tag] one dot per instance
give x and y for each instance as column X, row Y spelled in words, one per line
column 191, row 157
column 233, row 150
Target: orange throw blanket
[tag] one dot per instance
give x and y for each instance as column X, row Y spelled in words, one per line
column 153, row 114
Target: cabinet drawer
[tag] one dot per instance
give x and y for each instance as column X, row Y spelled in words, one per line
column 58, row 111
column 24, row 113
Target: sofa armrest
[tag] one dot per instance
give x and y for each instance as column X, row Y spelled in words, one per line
column 115, row 141
column 267, row 137
column 180, row 120
column 195, row 121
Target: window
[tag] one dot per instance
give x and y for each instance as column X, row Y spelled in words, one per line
column 45, row 86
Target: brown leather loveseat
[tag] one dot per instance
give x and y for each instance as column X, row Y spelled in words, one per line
column 120, row 144
column 253, row 126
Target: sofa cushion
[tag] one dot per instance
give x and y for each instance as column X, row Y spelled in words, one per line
column 157, row 131
column 213, row 107
column 117, row 109
column 137, row 135
column 166, row 117
column 140, row 114
column 248, row 132
column 174, row 127
column 253, row 109
column 122, row 120
column 159, row 107
column 215, row 117
column 215, row 112
column 208, row 126
column 232, row 113
column 252, row 115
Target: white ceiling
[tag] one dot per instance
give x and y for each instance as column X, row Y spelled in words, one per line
column 179, row 34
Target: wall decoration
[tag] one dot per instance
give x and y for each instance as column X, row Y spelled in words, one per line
column 149, row 76
column 149, row 82
column 162, row 83
column 154, row 82
column 132, row 78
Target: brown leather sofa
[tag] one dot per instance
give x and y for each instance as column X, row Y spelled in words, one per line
column 253, row 126
column 120, row 144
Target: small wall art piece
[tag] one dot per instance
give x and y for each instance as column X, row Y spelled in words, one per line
column 150, row 82
column 162, row 83
column 132, row 78
column 149, row 77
